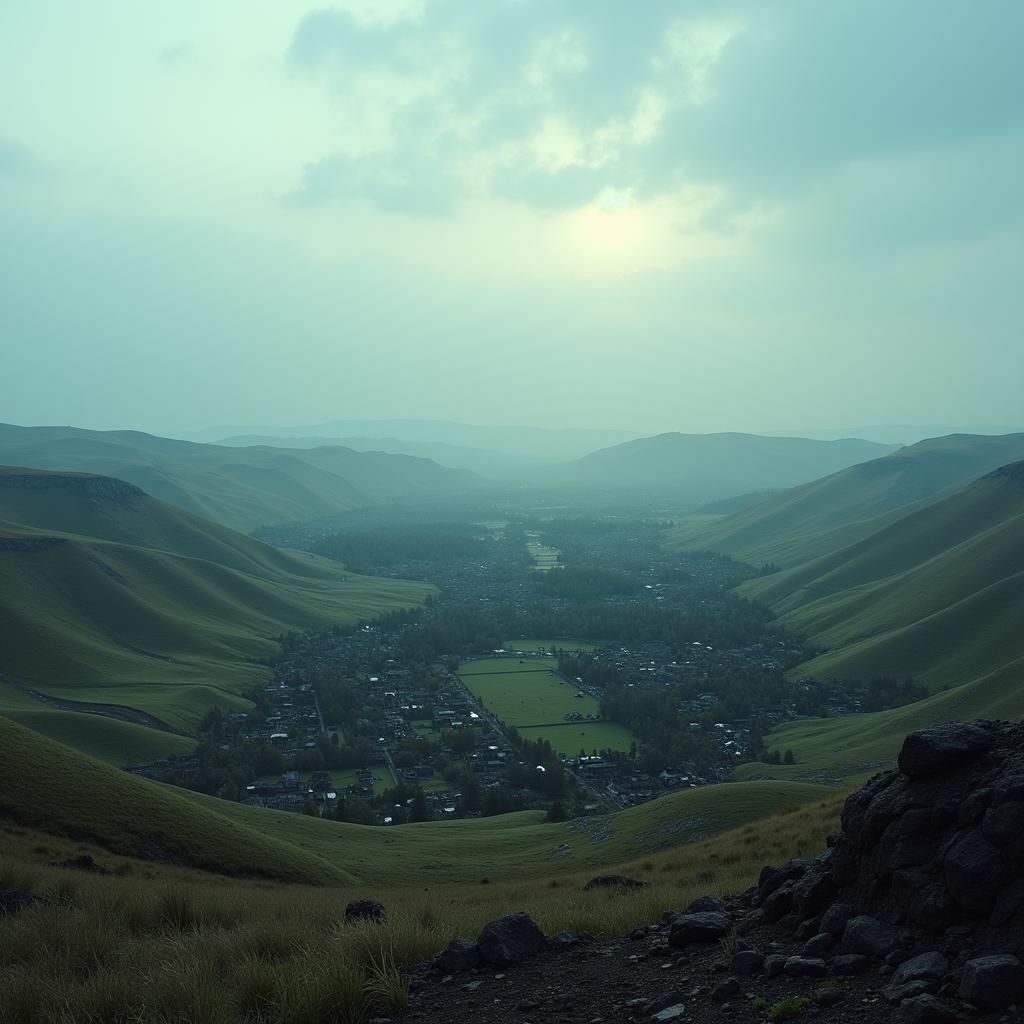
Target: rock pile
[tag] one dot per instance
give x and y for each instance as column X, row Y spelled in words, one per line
column 927, row 871
column 914, row 913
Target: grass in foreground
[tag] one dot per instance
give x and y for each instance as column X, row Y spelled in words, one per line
column 160, row 944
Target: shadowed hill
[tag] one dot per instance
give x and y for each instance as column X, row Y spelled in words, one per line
column 828, row 514
column 243, row 488
column 134, row 816
column 716, row 465
column 146, row 607
column 933, row 595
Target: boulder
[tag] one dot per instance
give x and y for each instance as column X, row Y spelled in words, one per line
column 364, row 910
column 747, row 961
column 932, row 966
column 993, row 982
column 974, row 871
column 819, row 944
column 706, row 904
column 940, row 747
column 724, row 989
column 850, row 963
column 460, row 955
column 835, row 918
column 926, row 1009
column 778, row 903
column 702, row 927
column 805, row 967
column 870, row 936
column 771, row 878
column 509, row 939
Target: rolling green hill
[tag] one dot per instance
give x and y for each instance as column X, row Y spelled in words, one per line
column 716, row 465
column 148, row 608
column 134, row 816
column 828, row 514
column 847, row 750
column 243, row 488
column 933, row 595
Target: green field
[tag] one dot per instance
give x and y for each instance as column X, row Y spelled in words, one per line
column 572, row 737
column 543, row 646
column 524, row 693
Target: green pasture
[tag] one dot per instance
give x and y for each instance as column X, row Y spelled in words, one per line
column 520, row 696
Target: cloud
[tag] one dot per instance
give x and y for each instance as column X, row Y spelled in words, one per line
column 551, row 103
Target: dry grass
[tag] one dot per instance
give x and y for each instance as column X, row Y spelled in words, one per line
column 168, row 945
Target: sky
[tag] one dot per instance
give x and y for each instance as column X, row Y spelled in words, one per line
column 691, row 215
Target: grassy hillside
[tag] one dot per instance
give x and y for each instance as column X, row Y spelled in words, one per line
column 846, row 750
column 148, row 608
column 243, row 488
column 933, row 595
column 717, row 465
column 126, row 814
column 823, row 516
column 155, row 941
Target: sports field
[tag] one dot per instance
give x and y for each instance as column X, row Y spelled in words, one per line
column 524, row 693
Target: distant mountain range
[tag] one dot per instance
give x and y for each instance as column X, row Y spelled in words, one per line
column 243, row 488
column 714, row 466
column 113, row 597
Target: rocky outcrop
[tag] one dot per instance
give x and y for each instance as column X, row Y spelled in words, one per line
column 364, row 910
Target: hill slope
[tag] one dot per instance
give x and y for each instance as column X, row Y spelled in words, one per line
column 152, row 609
column 933, row 595
column 717, row 465
column 134, row 816
column 243, row 488
column 828, row 514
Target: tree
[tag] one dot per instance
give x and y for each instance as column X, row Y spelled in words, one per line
column 788, row 758
column 420, row 811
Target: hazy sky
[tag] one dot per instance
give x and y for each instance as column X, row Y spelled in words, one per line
column 648, row 215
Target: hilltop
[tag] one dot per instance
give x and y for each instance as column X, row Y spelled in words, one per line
column 243, row 488
column 114, row 598
column 831, row 513
column 711, row 466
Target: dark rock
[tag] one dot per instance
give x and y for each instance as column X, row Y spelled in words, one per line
column 909, row 990
column 364, row 910
column 83, row 862
column 807, row 929
column 897, row 957
column 1005, row 823
column 974, row 871
column 461, row 955
column 931, row 966
column 14, row 901
column 805, row 967
column 993, row 982
column 747, row 961
column 834, row 919
column 1008, row 903
column 974, row 806
column 614, row 882
column 850, row 963
column 869, row 936
column 828, row 996
column 771, row 878
column 673, row 998
column 703, row 927
column 724, row 989
column 509, row 939
column 926, row 1009
column 565, row 939
column 706, row 905
column 819, row 944
column 814, row 890
column 774, row 965
column 942, row 746
column 779, row 903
